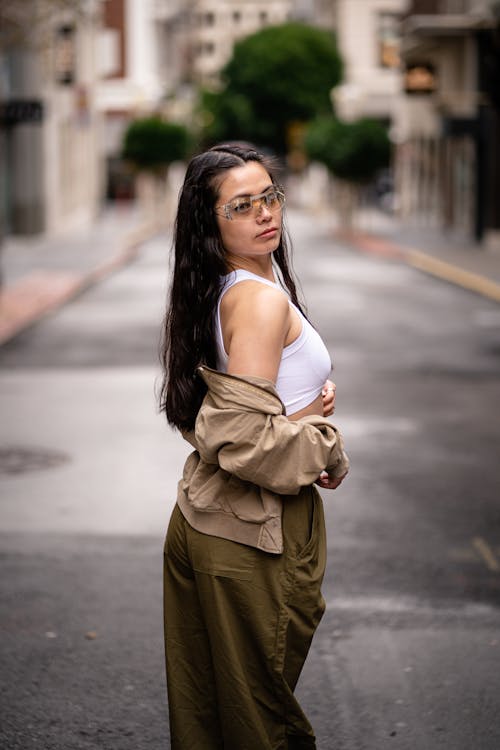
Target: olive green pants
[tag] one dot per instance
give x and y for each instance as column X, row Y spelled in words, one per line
column 238, row 626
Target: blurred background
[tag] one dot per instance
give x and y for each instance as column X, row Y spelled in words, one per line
column 95, row 95
column 385, row 117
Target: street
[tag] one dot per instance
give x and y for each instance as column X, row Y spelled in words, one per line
column 408, row 653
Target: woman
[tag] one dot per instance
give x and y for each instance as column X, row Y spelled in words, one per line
column 244, row 381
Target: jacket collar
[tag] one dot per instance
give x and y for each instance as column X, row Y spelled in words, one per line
column 247, row 391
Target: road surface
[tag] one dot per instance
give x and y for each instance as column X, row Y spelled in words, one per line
column 408, row 653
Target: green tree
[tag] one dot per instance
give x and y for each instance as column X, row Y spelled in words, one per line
column 352, row 151
column 225, row 116
column 278, row 76
column 151, row 144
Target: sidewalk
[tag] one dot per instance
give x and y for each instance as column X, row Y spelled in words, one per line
column 445, row 256
column 41, row 274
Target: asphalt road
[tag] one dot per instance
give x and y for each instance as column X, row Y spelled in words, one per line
column 408, row 653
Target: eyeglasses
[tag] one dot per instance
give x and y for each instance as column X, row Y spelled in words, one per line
column 248, row 206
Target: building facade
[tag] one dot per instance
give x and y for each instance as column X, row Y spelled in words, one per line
column 448, row 163
column 197, row 36
column 49, row 125
column 130, row 83
column 368, row 33
column 155, row 54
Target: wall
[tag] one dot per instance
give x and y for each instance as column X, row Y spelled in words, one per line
column 370, row 88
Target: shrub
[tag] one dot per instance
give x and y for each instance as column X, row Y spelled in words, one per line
column 151, row 144
column 352, row 151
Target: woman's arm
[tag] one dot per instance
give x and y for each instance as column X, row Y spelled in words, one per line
column 325, row 480
column 255, row 325
column 247, row 435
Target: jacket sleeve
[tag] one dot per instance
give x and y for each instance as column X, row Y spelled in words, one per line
column 270, row 450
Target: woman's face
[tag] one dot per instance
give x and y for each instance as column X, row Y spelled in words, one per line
column 257, row 234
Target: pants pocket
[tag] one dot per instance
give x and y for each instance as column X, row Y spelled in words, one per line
column 220, row 557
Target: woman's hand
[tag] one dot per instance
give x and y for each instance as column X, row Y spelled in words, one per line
column 328, row 394
column 326, row 482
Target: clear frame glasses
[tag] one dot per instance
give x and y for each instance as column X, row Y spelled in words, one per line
column 249, row 206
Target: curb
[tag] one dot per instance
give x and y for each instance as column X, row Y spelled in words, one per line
column 42, row 292
column 371, row 244
column 474, row 282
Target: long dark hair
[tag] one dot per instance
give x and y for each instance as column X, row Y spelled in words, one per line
column 188, row 337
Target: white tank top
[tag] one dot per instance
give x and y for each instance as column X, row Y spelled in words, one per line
column 305, row 363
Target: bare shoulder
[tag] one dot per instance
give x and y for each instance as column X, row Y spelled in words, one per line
column 255, row 321
column 260, row 301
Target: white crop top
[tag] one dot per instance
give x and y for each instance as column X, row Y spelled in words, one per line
column 305, row 363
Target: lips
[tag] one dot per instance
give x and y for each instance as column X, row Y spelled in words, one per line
column 269, row 232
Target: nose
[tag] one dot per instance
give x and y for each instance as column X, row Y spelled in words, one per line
column 264, row 213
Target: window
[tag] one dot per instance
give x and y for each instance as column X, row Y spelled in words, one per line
column 263, row 16
column 420, row 78
column 65, row 55
column 209, row 19
column 204, row 49
column 388, row 40
column 236, row 16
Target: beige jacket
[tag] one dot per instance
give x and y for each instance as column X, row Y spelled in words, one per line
column 249, row 456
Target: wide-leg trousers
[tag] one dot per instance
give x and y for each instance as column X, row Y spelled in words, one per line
column 238, row 626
